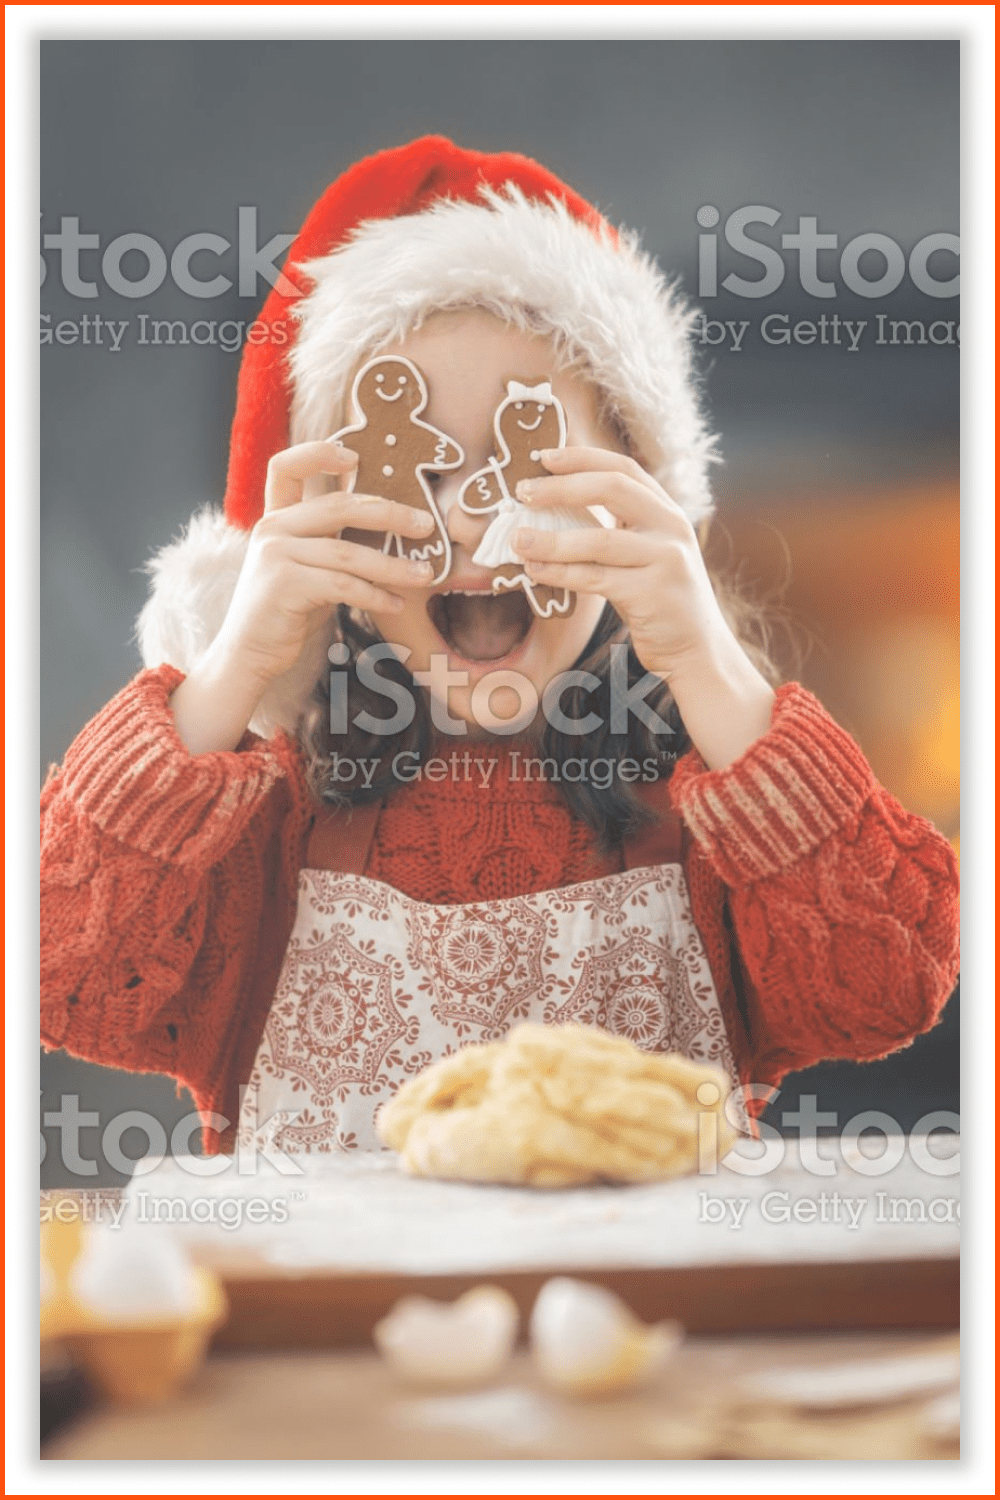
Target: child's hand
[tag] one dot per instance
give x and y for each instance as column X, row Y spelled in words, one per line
column 651, row 569
column 296, row 571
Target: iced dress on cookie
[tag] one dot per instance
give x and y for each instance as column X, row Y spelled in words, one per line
column 529, row 419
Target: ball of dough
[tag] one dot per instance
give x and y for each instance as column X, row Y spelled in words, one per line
column 559, row 1106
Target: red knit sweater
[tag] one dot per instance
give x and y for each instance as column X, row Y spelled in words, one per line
column 169, row 887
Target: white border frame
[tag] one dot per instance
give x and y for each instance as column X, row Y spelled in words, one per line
column 973, row 25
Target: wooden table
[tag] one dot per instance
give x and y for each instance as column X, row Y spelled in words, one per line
column 293, row 1373
column 346, row 1405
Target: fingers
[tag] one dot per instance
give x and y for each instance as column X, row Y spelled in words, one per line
column 623, row 549
column 326, row 515
column 577, row 460
column 619, row 564
column 288, row 470
column 366, row 563
column 609, row 581
column 618, row 484
column 324, row 588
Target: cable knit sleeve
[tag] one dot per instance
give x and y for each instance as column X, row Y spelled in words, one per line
column 844, row 907
column 155, row 866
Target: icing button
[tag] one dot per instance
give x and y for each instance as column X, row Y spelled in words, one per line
column 390, row 438
column 387, row 470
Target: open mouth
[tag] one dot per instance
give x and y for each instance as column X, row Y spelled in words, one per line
column 481, row 626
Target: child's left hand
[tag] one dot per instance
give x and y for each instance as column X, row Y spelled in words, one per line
column 650, row 567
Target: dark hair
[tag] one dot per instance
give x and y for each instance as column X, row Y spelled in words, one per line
column 612, row 810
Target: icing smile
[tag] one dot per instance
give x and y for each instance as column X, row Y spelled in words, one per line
column 384, row 397
column 530, row 426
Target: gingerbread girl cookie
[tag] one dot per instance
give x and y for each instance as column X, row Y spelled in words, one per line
column 529, row 419
column 396, row 451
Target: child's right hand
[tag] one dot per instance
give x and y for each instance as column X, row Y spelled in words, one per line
column 297, row 569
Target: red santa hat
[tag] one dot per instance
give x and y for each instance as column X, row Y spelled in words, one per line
column 407, row 232
column 391, row 186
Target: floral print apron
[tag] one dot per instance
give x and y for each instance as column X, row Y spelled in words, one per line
column 376, row 985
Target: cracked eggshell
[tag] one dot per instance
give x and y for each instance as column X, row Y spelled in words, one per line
column 586, row 1342
column 131, row 1275
column 449, row 1344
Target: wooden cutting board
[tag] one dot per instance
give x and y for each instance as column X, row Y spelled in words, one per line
column 314, row 1259
column 319, row 1311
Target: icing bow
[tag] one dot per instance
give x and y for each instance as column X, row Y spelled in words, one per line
column 541, row 392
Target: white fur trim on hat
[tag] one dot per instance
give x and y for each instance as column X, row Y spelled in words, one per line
column 194, row 579
column 606, row 306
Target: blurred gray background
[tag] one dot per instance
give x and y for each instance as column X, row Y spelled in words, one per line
column 167, row 139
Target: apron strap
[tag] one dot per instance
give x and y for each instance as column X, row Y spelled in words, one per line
column 341, row 837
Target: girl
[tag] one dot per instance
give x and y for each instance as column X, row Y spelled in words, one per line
column 291, row 897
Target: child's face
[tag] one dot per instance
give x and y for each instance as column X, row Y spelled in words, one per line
column 467, row 359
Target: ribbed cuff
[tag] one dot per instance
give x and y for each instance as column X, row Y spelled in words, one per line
column 130, row 772
column 798, row 784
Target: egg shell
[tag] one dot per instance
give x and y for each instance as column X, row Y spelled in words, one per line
column 586, row 1342
column 133, row 1275
column 449, row 1345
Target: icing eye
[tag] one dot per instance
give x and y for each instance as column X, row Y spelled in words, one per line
column 540, row 406
column 519, row 406
column 379, row 379
column 402, row 379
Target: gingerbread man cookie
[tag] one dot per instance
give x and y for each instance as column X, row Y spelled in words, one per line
column 396, row 451
column 529, row 419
